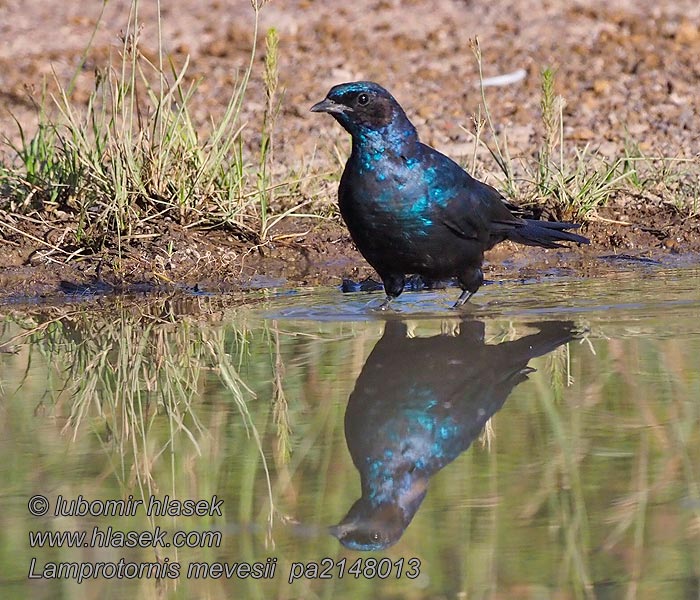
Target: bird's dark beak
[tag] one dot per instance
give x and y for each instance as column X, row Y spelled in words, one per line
column 329, row 106
column 339, row 531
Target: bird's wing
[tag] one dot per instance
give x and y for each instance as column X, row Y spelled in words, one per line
column 470, row 208
column 477, row 211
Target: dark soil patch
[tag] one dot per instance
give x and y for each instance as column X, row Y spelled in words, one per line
column 320, row 254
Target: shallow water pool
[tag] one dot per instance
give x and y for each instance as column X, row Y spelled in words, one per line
column 544, row 443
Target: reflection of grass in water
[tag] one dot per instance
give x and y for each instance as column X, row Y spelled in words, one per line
column 571, row 475
column 137, row 377
column 140, row 378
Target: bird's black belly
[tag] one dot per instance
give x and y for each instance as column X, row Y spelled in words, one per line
column 395, row 240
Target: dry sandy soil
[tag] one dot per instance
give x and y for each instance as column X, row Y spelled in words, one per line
column 629, row 72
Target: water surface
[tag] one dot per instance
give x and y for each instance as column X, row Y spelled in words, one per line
column 543, row 444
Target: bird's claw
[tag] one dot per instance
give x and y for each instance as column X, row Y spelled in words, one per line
column 386, row 305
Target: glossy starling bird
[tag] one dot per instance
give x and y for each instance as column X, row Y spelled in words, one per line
column 417, row 404
column 411, row 209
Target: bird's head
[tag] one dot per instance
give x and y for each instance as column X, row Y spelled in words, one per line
column 362, row 107
column 374, row 523
column 370, row 528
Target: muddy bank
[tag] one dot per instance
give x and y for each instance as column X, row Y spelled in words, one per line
column 320, row 253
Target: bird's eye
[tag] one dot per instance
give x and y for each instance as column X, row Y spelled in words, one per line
column 363, row 99
column 375, row 536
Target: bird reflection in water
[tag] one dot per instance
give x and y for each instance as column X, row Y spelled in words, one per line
column 418, row 403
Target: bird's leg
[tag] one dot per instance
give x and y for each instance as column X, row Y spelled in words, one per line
column 463, row 298
column 393, row 286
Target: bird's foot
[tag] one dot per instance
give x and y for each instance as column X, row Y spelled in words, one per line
column 386, row 305
column 463, row 299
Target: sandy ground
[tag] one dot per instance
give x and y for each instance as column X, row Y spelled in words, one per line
column 628, row 71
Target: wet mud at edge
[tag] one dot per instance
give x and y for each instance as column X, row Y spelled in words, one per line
column 322, row 255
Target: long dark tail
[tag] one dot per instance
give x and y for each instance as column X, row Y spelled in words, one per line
column 546, row 234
